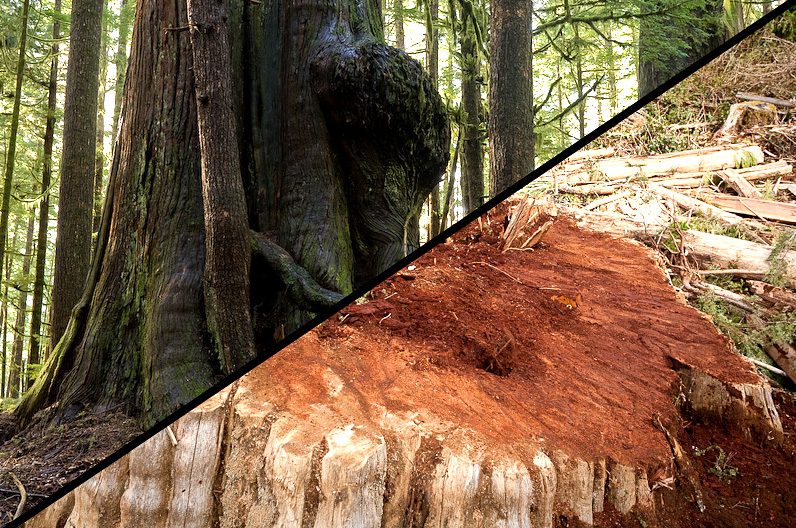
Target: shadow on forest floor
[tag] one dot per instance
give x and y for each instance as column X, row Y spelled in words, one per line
column 46, row 457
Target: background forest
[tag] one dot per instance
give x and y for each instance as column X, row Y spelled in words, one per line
column 590, row 59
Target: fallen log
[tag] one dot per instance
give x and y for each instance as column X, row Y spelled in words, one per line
column 699, row 160
column 692, row 204
column 768, row 209
column 741, row 185
column 758, row 172
column 708, row 249
column 608, row 199
column 773, row 295
column 763, row 99
column 587, row 190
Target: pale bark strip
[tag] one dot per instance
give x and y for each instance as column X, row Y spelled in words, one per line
column 97, row 501
column 352, row 479
column 226, row 223
column 196, row 461
column 146, row 500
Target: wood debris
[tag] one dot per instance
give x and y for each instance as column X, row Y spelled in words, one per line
column 656, row 199
column 529, row 220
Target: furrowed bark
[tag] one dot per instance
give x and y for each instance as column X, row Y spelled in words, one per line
column 337, row 153
column 226, row 281
column 472, row 153
column 511, row 147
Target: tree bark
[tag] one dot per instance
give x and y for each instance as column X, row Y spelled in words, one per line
column 121, row 63
column 12, row 140
column 44, row 210
column 14, row 375
column 472, row 152
column 511, row 146
column 99, row 160
column 336, row 153
column 76, row 194
column 398, row 7
column 226, row 288
column 432, row 65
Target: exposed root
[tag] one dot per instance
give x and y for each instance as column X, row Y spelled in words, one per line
column 302, row 288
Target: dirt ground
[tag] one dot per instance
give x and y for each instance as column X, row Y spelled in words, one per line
column 572, row 345
column 44, row 459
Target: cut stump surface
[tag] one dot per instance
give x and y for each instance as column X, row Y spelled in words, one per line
column 474, row 388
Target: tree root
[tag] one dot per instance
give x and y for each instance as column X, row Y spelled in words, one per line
column 23, row 496
column 301, row 287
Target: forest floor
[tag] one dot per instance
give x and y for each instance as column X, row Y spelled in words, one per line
column 44, row 459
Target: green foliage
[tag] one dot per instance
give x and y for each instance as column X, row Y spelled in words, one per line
column 721, row 468
column 785, row 26
column 778, row 265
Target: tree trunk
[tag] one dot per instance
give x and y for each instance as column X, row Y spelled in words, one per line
column 12, row 141
column 14, row 376
column 121, row 62
column 99, row 159
column 432, row 65
column 337, row 155
column 76, row 194
column 398, row 7
column 44, row 210
column 511, row 148
column 5, row 327
column 688, row 32
column 226, row 288
column 472, row 153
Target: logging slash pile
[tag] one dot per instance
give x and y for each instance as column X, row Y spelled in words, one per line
column 722, row 215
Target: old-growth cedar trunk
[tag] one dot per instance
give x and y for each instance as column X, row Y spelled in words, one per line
column 337, row 154
column 76, row 191
column 472, row 152
column 14, row 373
column 34, row 356
column 511, row 147
column 671, row 41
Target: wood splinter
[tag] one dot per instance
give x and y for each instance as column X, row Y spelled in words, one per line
column 682, row 463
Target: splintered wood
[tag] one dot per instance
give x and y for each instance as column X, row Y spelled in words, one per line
column 529, row 220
